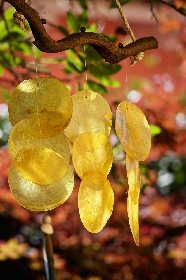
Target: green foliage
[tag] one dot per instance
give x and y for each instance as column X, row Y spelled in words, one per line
column 83, row 4
column 76, row 22
column 87, row 59
column 96, row 87
column 72, row 21
column 12, row 43
column 155, row 130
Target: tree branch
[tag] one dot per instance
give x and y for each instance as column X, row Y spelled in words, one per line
column 108, row 50
column 181, row 10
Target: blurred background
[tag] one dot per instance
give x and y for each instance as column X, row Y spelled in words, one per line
column 158, row 86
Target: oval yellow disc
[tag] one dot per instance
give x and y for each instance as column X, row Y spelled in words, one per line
column 38, row 132
column 40, row 165
column 37, row 197
column 133, row 131
column 92, row 152
column 40, row 95
column 95, row 201
column 91, row 113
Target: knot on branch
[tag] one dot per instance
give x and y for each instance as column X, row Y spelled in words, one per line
column 19, row 19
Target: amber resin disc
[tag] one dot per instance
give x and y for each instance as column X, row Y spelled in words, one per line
column 38, row 131
column 40, row 165
column 92, row 152
column 91, row 113
column 40, row 95
column 36, row 197
column 133, row 131
column 95, row 201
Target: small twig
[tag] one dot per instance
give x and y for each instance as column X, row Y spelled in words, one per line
column 1, row 7
column 48, row 257
column 152, row 11
column 181, row 10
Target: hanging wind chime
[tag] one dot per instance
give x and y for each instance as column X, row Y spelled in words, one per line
column 45, row 118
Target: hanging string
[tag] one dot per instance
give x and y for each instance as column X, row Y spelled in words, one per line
column 85, row 67
column 127, row 27
column 125, row 21
column 126, row 91
column 35, row 61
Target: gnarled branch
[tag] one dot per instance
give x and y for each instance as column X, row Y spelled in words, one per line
column 108, row 50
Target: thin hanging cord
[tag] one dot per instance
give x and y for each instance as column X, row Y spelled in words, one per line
column 85, row 65
column 127, row 27
column 125, row 21
column 126, row 80
column 36, row 88
column 35, row 61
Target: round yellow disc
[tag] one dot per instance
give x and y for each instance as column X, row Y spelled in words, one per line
column 92, row 152
column 40, row 95
column 36, row 197
column 95, row 201
column 40, row 165
column 133, row 131
column 38, row 132
column 91, row 113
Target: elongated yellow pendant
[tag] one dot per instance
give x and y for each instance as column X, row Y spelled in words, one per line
column 95, row 201
column 134, row 134
column 133, row 131
column 134, row 182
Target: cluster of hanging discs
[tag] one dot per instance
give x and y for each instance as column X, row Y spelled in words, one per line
column 49, row 125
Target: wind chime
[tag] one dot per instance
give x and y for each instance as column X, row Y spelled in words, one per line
column 45, row 119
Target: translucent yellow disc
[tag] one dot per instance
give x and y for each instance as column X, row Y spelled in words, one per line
column 95, row 201
column 133, row 131
column 40, row 95
column 92, row 152
column 41, row 165
column 134, row 181
column 38, row 132
column 37, row 197
column 91, row 113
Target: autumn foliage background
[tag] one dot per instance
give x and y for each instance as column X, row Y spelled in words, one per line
column 158, row 86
